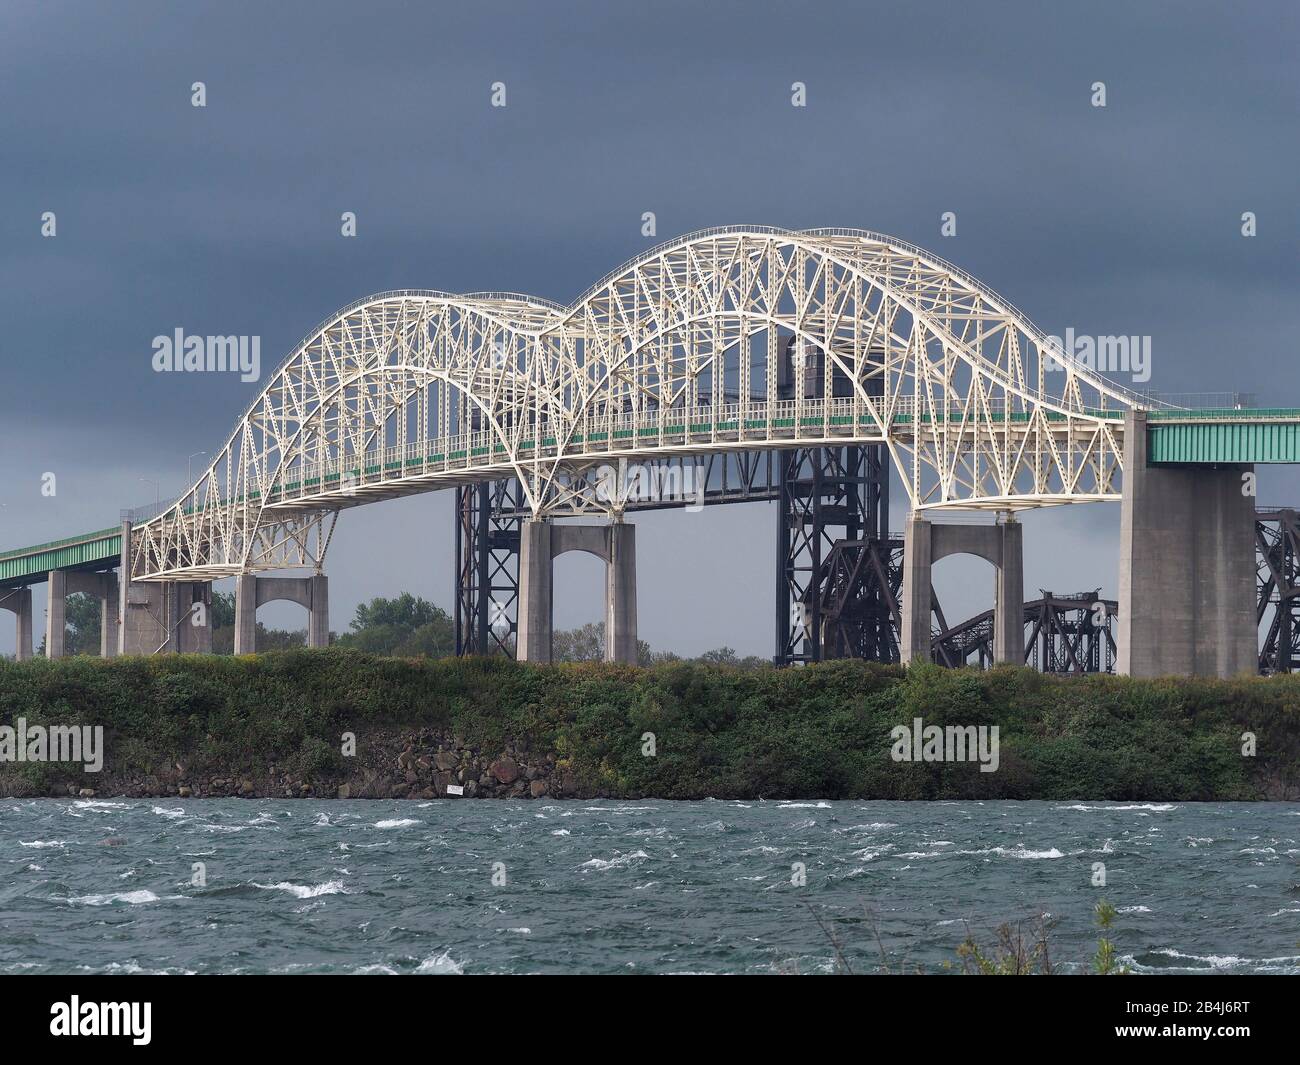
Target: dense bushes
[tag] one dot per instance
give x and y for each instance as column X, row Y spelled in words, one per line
column 821, row 731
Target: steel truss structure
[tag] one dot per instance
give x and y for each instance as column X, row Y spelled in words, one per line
column 675, row 353
column 1277, row 555
column 1064, row 634
column 860, row 611
column 487, row 568
column 826, row 495
column 488, row 520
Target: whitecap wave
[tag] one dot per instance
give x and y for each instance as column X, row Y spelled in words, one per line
column 306, row 891
column 443, row 964
column 133, row 898
column 612, row 863
column 1016, row 852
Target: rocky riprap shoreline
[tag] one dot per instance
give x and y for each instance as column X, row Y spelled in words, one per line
column 407, row 765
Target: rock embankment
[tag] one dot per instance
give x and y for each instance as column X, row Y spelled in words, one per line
column 399, row 764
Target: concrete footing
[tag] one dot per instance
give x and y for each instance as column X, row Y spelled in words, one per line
column 19, row 602
column 1002, row 544
column 540, row 543
column 1187, row 567
column 251, row 591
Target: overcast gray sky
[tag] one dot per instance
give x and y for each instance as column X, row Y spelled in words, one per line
column 225, row 219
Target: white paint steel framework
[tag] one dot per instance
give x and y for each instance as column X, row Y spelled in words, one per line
column 675, row 353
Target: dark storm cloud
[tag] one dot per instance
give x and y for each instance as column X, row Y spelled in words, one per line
column 225, row 219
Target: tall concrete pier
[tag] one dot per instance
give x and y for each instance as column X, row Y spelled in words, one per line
column 1002, row 544
column 19, row 602
column 158, row 617
column 540, row 543
column 101, row 586
column 252, row 591
column 1187, row 566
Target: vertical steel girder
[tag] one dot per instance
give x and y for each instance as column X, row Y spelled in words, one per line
column 1277, row 547
column 829, row 495
column 860, row 607
column 826, row 495
column 487, row 567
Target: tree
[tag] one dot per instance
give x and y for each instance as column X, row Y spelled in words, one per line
column 83, row 614
column 587, row 644
column 81, row 631
column 223, row 629
column 223, row 610
column 583, row 644
column 408, row 626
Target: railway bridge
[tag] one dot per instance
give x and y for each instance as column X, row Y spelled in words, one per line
column 826, row 357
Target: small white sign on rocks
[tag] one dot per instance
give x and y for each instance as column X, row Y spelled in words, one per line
column 455, row 789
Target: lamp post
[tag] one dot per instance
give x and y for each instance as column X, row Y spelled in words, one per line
column 157, row 492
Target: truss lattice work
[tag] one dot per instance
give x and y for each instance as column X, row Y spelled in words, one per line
column 676, row 352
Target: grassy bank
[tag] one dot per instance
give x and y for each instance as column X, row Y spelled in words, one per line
column 273, row 724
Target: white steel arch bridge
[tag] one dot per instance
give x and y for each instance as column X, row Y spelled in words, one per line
column 740, row 338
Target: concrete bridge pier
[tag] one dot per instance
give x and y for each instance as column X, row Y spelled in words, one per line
column 1187, row 567
column 167, row 617
column 19, row 601
column 101, row 586
column 151, row 617
column 251, row 591
column 925, row 543
column 540, row 543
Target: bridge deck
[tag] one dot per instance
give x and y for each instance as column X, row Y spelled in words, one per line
column 28, row 565
column 1206, row 436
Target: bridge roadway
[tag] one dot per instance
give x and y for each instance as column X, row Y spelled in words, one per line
column 1175, row 440
column 1209, row 437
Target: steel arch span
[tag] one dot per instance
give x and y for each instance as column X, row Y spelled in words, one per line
column 738, row 338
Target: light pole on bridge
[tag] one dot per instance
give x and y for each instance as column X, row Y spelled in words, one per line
column 196, row 454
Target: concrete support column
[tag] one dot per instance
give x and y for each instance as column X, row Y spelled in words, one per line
column 1009, row 601
column 620, row 595
column 916, row 592
column 318, row 621
column 192, row 618
column 1187, row 567
column 539, row 543
column 924, row 544
column 108, row 618
column 245, row 614
column 536, row 596
column 56, row 614
column 19, row 600
column 123, row 587
column 144, row 625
